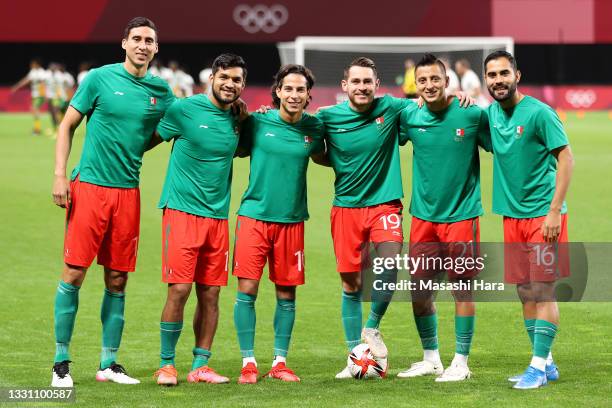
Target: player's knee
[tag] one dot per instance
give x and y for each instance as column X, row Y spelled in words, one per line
column 73, row 274
column 178, row 293
column 423, row 307
column 525, row 293
column 351, row 282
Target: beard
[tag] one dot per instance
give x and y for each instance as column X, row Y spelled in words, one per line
column 509, row 94
column 220, row 99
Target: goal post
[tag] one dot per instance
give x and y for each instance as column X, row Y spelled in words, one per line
column 327, row 56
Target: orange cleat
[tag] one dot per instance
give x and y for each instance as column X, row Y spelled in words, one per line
column 283, row 373
column 166, row 375
column 206, row 374
column 248, row 374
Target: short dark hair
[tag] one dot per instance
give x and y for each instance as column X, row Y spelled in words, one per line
column 291, row 69
column 361, row 62
column 501, row 54
column 464, row 62
column 139, row 22
column 229, row 60
column 428, row 60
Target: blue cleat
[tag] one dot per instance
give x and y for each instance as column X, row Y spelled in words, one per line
column 531, row 379
column 552, row 374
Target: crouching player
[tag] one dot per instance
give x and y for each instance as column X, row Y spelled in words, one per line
column 531, row 175
column 195, row 201
column 270, row 224
column 445, row 207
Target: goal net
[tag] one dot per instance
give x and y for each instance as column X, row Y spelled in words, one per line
column 327, row 56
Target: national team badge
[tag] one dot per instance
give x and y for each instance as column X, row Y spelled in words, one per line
column 459, row 134
column 307, row 141
column 519, row 131
column 380, row 120
column 153, row 100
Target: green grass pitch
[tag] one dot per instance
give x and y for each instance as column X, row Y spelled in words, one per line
column 31, row 261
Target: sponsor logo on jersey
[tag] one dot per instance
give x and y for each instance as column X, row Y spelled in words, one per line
column 119, row 93
column 519, row 131
column 204, row 126
column 459, row 134
column 422, row 130
column 270, row 134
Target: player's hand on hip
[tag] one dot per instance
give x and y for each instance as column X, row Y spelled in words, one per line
column 61, row 191
column 551, row 227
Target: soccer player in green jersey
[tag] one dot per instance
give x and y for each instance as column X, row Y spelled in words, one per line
column 270, row 224
column 362, row 142
column 532, row 169
column 445, row 207
column 123, row 104
column 195, row 202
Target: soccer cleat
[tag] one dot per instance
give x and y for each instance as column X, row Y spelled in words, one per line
column 375, row 341
column 248, row 374
column 206, row 374
column 283, row 373
column 422, row 368
column 552, row 374
column 455, row 372
column 115, row 373
column 167, row 375
column 531, row 379
column 344, row 374
column 61, row 375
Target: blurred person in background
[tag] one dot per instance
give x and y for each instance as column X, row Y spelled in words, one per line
column 36, row 78
column 470, row 83
column 409, row 84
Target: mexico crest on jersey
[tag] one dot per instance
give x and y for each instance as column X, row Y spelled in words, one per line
column 459, row 134
column 519, row 131
column 380, row 121
column 307, row 141
column 153, row 100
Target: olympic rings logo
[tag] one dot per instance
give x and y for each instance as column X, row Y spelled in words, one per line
column 581, row 98
column 260, row 17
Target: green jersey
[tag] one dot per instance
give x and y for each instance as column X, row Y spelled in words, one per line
column 279, row 159
column 200, row 168
column 122, row 112
column 524, row 169
column 364, row 152
column 445, row 164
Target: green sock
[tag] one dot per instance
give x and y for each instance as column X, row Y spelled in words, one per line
column 111, row 314
column 380, row 299
column 200, row 358
column 428, row 331
column 170, row 333
column 284, row 317
column 352, row 318
column 530, row 326
column 244, row 320
column 464, row 331
column 543, row 337
column 66, row 306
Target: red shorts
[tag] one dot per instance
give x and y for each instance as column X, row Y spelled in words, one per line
column 103, row 222
column 526, row 262
column 282, row 245
column 437, row 239
column 194, row 249
column 352, row 228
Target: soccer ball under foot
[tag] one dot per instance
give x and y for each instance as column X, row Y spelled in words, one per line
column 363, row 365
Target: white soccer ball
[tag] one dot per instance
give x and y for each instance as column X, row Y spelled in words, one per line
column 363, row 365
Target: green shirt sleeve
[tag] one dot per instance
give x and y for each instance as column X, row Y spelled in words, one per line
column 550, row 129
column 170, row 125
column 403, row 123
column 399, row 104
column 484, row 132
column 86, row 94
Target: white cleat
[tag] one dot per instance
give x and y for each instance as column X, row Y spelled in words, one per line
column 455, row 372
column 115, row 373
column 344, row 374
column 375, row 341
column 422, row 368
column 61, row 375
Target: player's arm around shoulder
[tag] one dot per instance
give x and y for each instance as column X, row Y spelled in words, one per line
column 248, row 128
column 319, row 153
column 170, row 125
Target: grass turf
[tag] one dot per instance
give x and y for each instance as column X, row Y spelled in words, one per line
column 31, row 261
